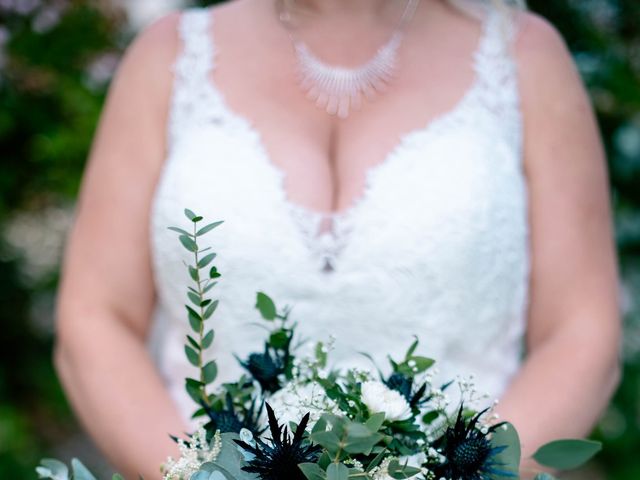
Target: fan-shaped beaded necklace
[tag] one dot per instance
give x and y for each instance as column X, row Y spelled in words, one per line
column 339, row 89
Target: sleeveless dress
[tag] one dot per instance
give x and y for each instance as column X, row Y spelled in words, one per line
column 437, row 246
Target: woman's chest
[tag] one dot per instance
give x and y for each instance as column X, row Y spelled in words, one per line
column 444, row 197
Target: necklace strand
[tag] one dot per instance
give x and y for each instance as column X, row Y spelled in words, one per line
column 339, row 89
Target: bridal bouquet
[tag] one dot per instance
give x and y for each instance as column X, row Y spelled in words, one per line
column 293, row 417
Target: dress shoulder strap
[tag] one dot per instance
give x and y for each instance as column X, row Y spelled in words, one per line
column 192, row 69
column 196, row 59
column 494, row 57
column 496, row 70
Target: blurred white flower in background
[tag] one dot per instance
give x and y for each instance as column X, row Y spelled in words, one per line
column 39, row 238
column 101, row 69
column 48, row 17
column 23, row 7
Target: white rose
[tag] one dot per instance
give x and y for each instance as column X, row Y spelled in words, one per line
column 379, row 398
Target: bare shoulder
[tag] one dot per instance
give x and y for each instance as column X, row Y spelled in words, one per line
column 558, row 114
column 536, row 35
column 149, row 57
column 545, row 64
column 554, row 99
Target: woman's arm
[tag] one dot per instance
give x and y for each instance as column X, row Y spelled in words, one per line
column 106, row 297
column 571, row 368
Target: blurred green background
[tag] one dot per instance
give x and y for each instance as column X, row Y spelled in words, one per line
column 56, row 60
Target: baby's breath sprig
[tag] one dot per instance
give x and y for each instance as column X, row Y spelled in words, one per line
column 200, row 309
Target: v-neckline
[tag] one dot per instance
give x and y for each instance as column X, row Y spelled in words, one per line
column 308, row 220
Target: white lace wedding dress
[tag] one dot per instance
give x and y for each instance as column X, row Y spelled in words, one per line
column 437, row 247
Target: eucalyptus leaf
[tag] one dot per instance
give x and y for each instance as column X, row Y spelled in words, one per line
column 509, row 458
column 192, row 356
column 193, row 388
column 337, row 471
column 117, row 476
column 52, row 469
column 80, row 472
column 181, row 231
column 208, row 228
column 566, row 454
column 194, row 319
column 374, row 423
column 195, row 323
column 401, row 471
column 189, row 214
column 327, row 439
column 188, row 243
column 312, row 471
column 210, row 371
column 210, row 309
column 193, row 273
column 229, row 461
column 203, row 475
column 208, row 339
column 193, row 343
column 206, row 260
column 320, row 426
column 195, row 299
column 356, row 444
column 265, row 306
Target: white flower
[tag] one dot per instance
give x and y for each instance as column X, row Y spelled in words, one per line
column 379, row 398
column 192, row 455
column 294, row 400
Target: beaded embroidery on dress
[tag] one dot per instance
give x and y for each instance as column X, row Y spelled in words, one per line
column 437, row 246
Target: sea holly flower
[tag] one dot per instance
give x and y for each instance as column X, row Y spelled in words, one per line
column 379, row 398
column 468, row 452
column 266, row 369
column 279, row 457
column 405, row 386
column 229, row 420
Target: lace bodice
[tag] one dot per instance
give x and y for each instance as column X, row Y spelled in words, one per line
column 436, row 247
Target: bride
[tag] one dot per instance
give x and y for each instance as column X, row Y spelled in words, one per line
column 449, row 183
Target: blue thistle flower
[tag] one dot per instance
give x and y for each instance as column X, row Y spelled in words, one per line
column 404, row 386
column 267, row 367
column 279, row 458
column 229, row 420
column 468, row 452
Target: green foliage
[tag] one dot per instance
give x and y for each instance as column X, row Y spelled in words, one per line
column 50, row 98
column 200, row 310
column 566, row 454
column 56, row 470
column 266, row 306
column 510, row 456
